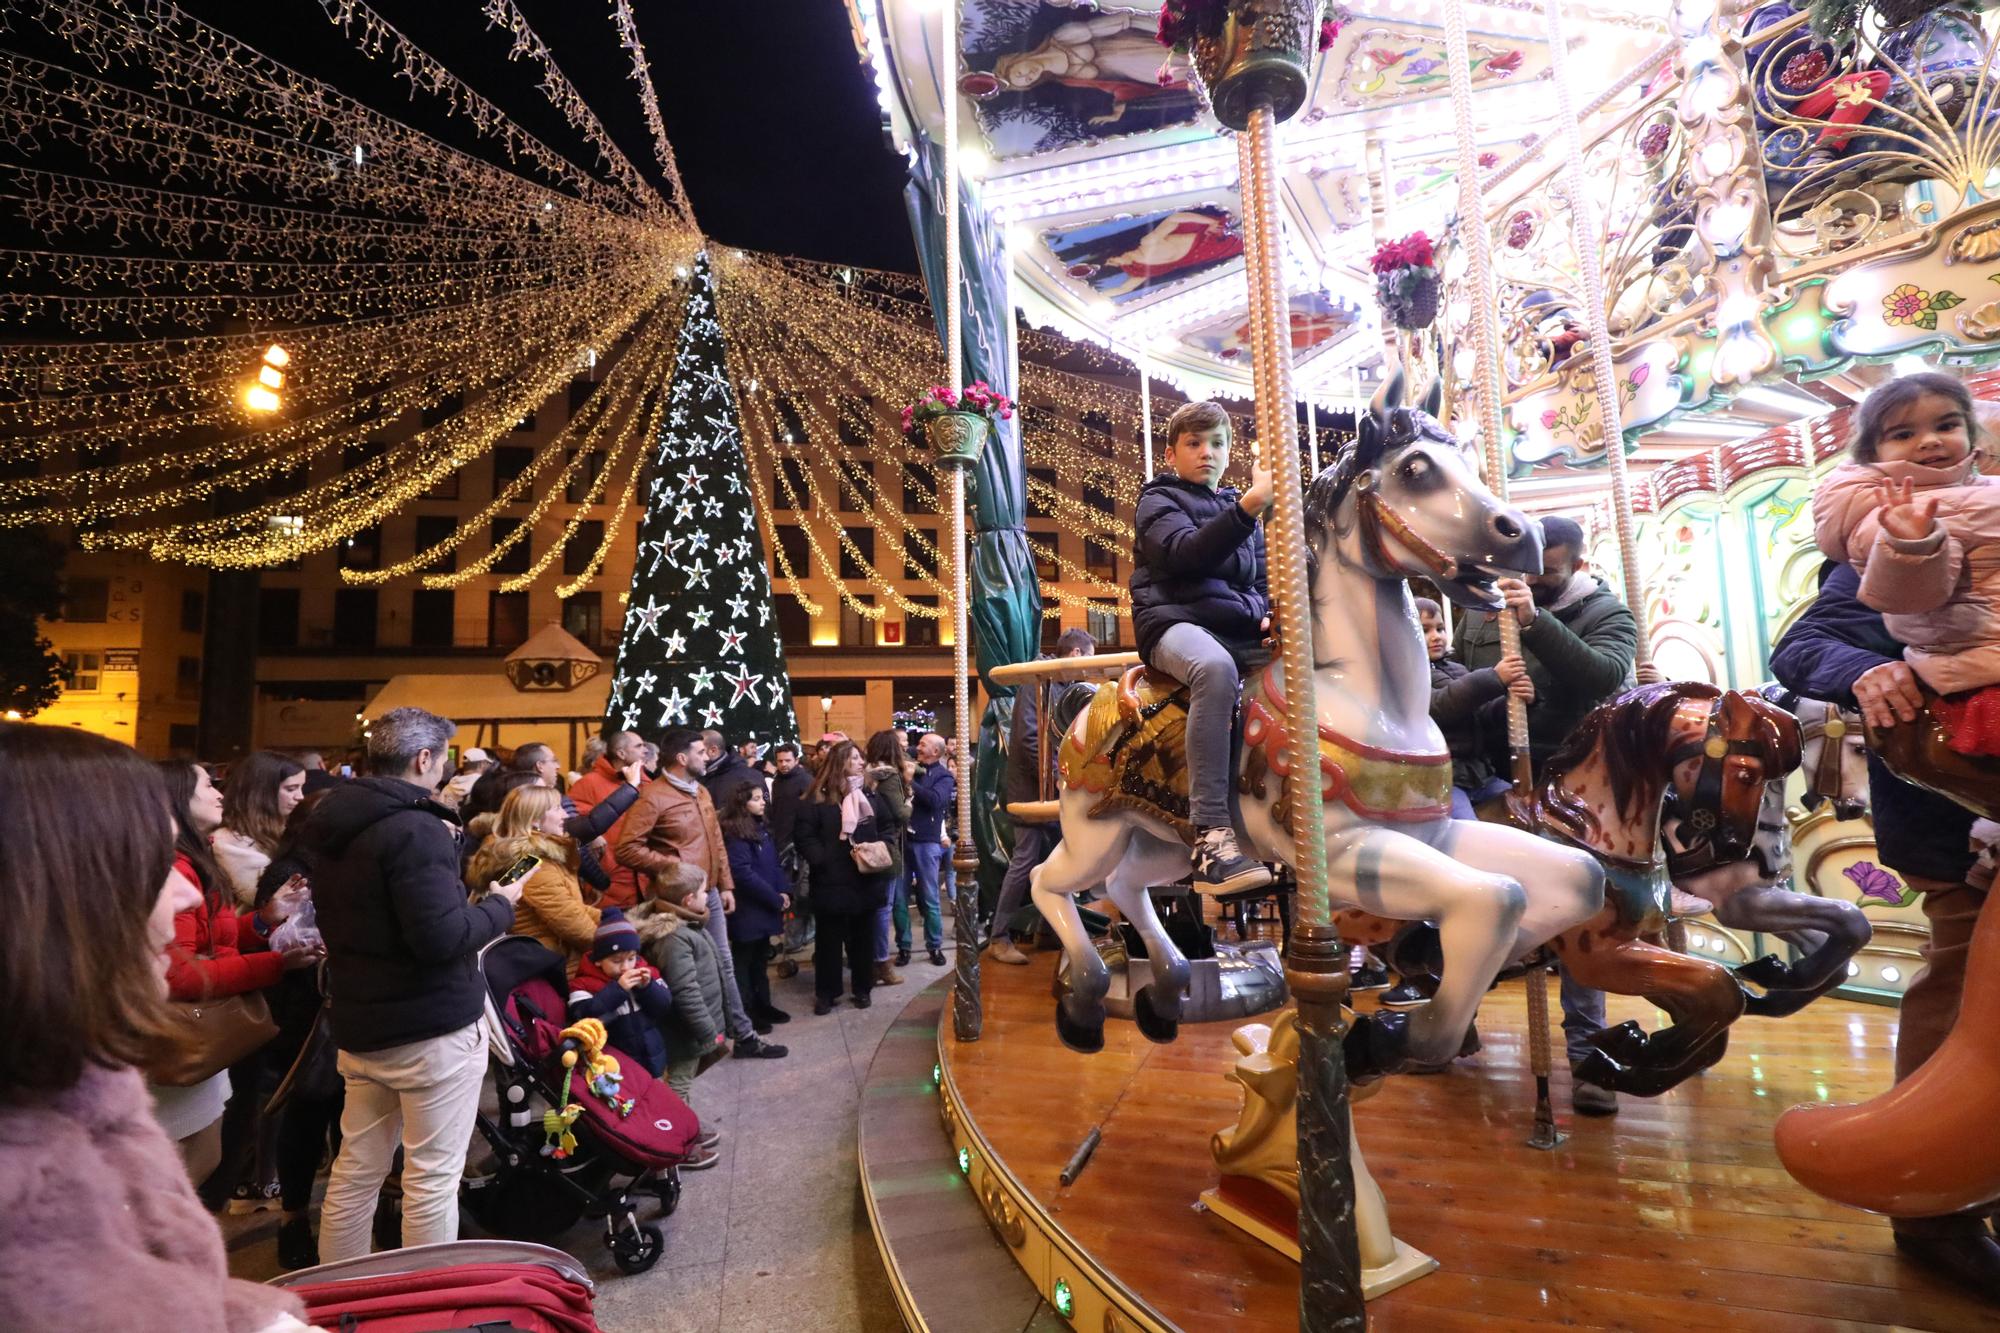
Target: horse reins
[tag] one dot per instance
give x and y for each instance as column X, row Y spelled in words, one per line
column 1376, row 517
column 1701, row 811
column 1824, row 782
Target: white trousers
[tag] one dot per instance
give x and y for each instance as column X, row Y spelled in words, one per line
column 424, row 1096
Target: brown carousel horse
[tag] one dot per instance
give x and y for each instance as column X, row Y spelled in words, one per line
column 1684, row 750
column 1926, row 1147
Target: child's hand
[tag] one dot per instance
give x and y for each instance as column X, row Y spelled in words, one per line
column 633, row 977
column 1522, row 689
column 1262, row 488
column 784, row 902
column 1512, row 669
column 1904, row 514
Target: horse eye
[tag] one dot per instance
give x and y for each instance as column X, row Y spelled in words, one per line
column 1417, row 468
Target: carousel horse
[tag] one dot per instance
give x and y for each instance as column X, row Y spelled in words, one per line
column 1403, row 501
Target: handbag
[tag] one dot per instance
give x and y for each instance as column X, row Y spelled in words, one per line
column 870, row 858
column 315, row 1073
column 208, row 1036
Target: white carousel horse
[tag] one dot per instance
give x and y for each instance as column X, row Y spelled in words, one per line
column 1404, row 500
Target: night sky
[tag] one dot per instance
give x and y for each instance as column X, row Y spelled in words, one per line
column 771, row 114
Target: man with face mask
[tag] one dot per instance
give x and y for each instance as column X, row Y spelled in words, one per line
column 1579, row 642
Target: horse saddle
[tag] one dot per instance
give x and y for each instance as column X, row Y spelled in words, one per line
column 1129, row 749
column 1920, row 752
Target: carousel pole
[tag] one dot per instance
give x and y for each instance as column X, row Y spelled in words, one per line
column 1486, row 316
column 967, row 1014
column 1330, row 1287
column 1146, row 411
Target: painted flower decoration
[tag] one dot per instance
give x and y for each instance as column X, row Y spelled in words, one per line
column 1383, row 58
column 1640, row 374
column 1803, row 71
column 1875, row 882
column 1488, row 159
column 1520, row 230
column 1423, row 66
column 1507, row 62
column 1655, row 140
column 1549, row 419
column 1911, row 305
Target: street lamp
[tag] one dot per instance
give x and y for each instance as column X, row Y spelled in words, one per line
column 825, row 709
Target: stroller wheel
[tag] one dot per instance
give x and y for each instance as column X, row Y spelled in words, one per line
column 638, row 1250
column 667, row 1189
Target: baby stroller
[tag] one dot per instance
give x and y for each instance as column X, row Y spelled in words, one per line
column 632, row 1145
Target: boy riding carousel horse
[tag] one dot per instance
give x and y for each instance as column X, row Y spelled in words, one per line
column 1200, row 610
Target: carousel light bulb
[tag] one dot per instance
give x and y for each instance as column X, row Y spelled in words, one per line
column 271, row 377
column 1909, row 364
column 275, row 355
column 260, row 399
column 1891, row 975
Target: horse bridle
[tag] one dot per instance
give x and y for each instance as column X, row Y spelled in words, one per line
column 1701, row 811
column 1823, row 783
column 1378, row 518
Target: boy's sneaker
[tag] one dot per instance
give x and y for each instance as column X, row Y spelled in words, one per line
column 1406, row 995
column 1220, row 868
column 700, row 1157
column 1369, row 978
column 756, row 1048
column 708, row 1138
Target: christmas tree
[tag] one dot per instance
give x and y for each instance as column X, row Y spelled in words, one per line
column 700, row 647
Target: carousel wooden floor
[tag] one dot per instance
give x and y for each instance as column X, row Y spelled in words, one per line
column 1675, row 1214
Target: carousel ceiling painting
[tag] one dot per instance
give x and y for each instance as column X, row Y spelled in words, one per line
column 1777, row 211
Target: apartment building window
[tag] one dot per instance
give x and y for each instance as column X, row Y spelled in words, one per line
column 86, row 601
column 791, row 420
column 579, row 394
column 918, row 562
column 583, row 616
column 795, row 626
column 187, row 678
column 857, row 630
column 432, row 611
column 859, row 546
column 1046, row 568
column 278, row 618
column 516, row 558
column 432, row 529
column 194, row 608
column 856, row 424
column 290, row 481
column 920, row 489
column 791, row 485
column 921, row 631
column 446, row 488
column 506, row 619
column 82, row 672
column 354, row 618
column 443, row 409
column 1052, row 628
column 1039, row 504
column 581, row 548
column 580, row 481
column 353, row 456
column 361, row 550
column 798, row 554
column 526, row 423
column 1105, row 627
column 858, row 492
column 1100, row 560
column 509, row 462
column 1097, row 494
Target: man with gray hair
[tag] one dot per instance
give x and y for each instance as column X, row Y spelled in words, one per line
column 402, row 947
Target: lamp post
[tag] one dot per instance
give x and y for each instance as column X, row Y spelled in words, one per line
column 825, row 712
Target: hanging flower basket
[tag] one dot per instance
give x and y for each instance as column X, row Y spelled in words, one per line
column 953, row 425
column 1406, row 281
column 1249, row 52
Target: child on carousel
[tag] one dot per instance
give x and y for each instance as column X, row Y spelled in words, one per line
column 1200, row 612
column 1913, row 515
column 1457, row 692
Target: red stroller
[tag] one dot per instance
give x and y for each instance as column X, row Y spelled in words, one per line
column 630, row 1145
column 484, row 1284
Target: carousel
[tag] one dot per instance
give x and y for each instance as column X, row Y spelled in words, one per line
column 1630, row 263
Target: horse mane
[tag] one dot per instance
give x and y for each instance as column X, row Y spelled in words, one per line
column 1634, row 731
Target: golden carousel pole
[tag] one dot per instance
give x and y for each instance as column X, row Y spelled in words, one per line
column 967, row 1013
column 1256, row 71
column 1484, row 296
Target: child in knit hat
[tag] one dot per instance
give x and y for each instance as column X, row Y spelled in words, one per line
column 620, row 989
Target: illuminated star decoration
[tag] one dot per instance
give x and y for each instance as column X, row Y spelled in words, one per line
column 711, row 715
column 699, row 617
column 697, row 574
column 676, row 644
column 674, row 709
column 649, row 617
column 742, row 682
column 738, row 607
column 732, row 641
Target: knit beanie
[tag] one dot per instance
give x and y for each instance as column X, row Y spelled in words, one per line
column 614, row 935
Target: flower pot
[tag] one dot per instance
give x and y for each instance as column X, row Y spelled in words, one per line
column 957, row 437
column 1420, row 303
column 1262, row 55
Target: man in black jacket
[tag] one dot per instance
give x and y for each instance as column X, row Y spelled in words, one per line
column 1579, row 642
column 788, row 792
column 1199, row 610
column 726, row 769
column 402, row 950
column 1025, row 766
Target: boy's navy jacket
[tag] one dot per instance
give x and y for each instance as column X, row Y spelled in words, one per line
column 1198, row 559
column 632, row 1018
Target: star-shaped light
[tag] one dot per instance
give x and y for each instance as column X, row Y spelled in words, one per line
column 674, row 709
column 676, row 644
column 647, row 680
column 738, row 607
column 743, row 683
column 649, row 617
column 697, row 575
column 746, row 577
column 732, row 640
column 712, row 507
column 763, row 613
column 691, row 480
column 742, row 545
column 725, row 553
column 704, row 680
column 697, row 540
column 700, row 616
column 711, row 715
column 683, row 511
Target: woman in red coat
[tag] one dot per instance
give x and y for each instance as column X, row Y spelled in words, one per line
column 216, row 952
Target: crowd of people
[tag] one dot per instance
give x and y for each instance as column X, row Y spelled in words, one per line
column 305, row 941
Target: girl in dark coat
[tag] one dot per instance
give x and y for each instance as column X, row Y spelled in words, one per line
column 762, row 895
column 837, row 814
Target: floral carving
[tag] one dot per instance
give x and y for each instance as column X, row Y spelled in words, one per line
column 1911, row 305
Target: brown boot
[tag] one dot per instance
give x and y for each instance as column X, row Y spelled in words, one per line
column 887, row 975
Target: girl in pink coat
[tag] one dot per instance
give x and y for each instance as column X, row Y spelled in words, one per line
column 1913, row 514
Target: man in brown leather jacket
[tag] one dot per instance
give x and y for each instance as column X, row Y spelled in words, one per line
column 673, row 822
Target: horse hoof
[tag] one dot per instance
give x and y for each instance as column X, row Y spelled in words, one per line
column 1601, row 1069
column 1153, row 1025
column 1083, row 1038
column 1769, row 972
column 1623, row 1043
column 1376, row 1046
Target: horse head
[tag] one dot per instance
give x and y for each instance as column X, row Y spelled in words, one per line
column 1721, row 765
column 1405, row 500
column 1834, row 752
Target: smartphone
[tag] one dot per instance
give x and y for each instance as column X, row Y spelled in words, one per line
column 520, row 870
column 347, row 770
